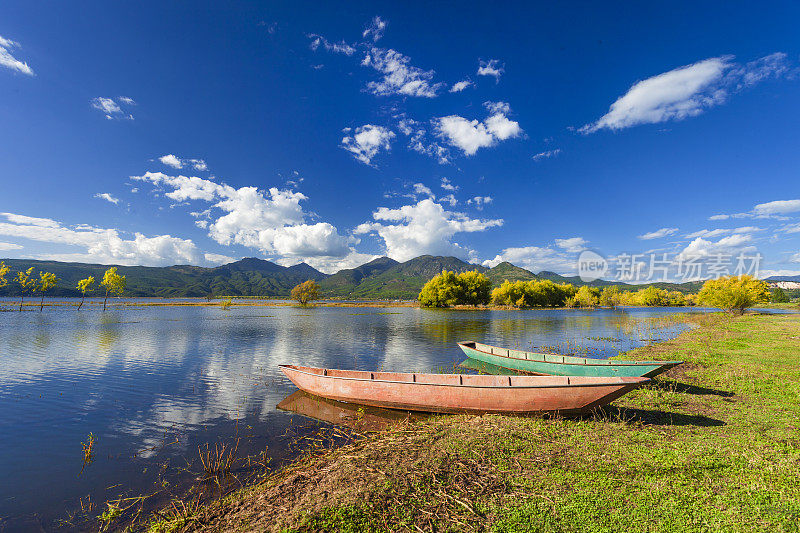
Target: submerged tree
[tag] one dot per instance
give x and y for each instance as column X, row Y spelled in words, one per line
column 734, row 293
column 3, row 271
column 85, row 286
column 47, row 281
column 26, row 283
column 306, row 292
column 113, row 283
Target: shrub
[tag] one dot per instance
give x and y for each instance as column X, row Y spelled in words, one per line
column 734, row 293
column 535, row 293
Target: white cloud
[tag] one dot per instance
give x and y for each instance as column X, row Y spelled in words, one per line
column 103, row 245
column 272, row 221
column 573, row 244
column 375, row 29
column 339, row 48
column 460, row 86
column 535, row 259
column 6, row 246
column 448, row 185
column 492, row 67
column 171, row 161
column 710, row 234
column 399, row 76
column 727, row 245
column 176, row 162
column 663, row 232
column 423, row 228
column 686, row 91
column 778, row 207
column 795, row 258
column 367, row 141
column 480, row 201
column 112, row 109
column 450, row 199
column 9, row 61
column 107, row 197
column 471, row 135
column 546, row 154
column 419, row 188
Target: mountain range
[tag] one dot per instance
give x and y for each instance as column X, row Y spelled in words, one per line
column 381, row 278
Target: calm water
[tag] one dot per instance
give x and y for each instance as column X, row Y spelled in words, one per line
column 154, row 383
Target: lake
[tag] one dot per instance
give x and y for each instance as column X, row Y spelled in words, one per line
column 152, row 384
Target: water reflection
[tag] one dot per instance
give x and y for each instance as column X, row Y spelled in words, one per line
column 153, row 383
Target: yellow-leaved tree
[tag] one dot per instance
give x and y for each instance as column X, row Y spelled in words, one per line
column 113, row 283
column 3, row 271
column 26, row 283
column 734, row 293
column 47, row 281
column 85, row 286
column 306, row 292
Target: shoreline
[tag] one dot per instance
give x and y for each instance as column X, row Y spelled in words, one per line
column 679, row 454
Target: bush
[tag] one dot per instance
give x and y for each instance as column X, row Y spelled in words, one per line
column 734, row 293
column 779, row 296
column 449, row 288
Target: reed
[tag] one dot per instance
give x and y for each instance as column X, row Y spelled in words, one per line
column 218, row 461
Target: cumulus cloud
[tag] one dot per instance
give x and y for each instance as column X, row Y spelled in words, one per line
column 657, row 234
column 113, row 109
column 374, row 29
column 367, row 141
column 546, row 154
column 422, row 228
column 471, row 135
column 107, row 197
column 492, row 68
column 700, row 248
column 108, row 246
column 9, row 61
column 460, row 86
column 176, row 162
column 536, row 259
column 686, row 91
column 573, row 244
column 399, row 76
column 271, row 221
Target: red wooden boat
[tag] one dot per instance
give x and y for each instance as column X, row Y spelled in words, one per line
column 459, row 393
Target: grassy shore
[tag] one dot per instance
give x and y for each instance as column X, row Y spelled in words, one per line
column 713, row 445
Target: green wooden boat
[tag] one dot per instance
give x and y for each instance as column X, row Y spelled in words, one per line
column 562, row 365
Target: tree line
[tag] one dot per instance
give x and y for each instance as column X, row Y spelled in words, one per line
column 112, row 284
column 731, row 293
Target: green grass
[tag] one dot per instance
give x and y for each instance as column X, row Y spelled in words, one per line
column 714, row 445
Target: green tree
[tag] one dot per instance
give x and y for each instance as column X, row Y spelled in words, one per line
column 47, row 281
column 113, row 283
column 734, row 293
column 778, row 296
column 306, row 292
column 26, row 283
column 85, row 286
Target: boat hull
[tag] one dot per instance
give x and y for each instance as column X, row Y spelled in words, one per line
column 562, row 365
column 459, row 393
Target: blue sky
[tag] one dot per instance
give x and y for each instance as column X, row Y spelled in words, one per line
column 160, row 133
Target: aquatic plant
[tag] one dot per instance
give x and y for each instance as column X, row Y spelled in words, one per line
column 88, row 451
column 217, row 461
column 226, row 303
